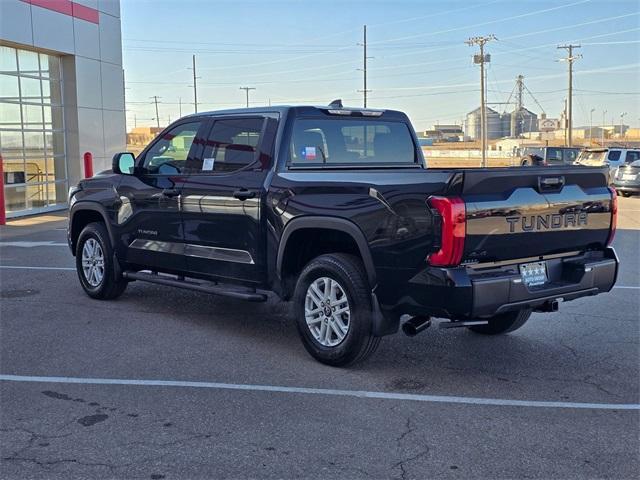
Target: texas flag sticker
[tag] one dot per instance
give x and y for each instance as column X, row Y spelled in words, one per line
column 309, row 153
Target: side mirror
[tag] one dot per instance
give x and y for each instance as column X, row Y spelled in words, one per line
column 123, row 163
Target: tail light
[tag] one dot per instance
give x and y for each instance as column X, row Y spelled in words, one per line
column 452, row 212
column 614, row 215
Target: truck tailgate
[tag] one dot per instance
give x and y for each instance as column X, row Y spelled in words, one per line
column 517, row 213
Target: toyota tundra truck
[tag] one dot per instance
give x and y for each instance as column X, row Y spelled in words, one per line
column 334, row 210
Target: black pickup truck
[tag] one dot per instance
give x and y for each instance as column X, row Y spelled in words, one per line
column 334, row 209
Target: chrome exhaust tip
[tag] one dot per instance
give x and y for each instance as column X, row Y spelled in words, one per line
column 415, row 325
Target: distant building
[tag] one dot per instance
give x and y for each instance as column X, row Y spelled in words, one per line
column 472, row 126
column 521, row 121
column 444, row 133
column 142, row 135
column 513, row 124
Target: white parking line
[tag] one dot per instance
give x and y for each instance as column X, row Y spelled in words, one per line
column 24, row 267
column 324, row 391
column 33, row 244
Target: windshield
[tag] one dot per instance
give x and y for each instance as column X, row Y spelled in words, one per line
column 592, row 158
column 333, row 141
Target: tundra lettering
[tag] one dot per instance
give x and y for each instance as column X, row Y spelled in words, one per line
column 546, row 222
column 334, row 210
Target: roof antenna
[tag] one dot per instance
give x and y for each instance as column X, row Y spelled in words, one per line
column 336, row 103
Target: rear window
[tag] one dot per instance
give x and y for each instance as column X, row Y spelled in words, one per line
column 592, row 158
column 355, row 142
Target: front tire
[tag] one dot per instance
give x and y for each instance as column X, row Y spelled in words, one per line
column 332, row 307
column 503, row 323
column 95, row 264
column 626, row 194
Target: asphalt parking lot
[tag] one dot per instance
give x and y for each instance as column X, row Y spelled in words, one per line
column 169, row 384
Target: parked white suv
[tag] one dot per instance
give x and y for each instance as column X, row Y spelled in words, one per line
column 613, row 157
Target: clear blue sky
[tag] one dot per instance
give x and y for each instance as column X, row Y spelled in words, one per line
column 307, row 52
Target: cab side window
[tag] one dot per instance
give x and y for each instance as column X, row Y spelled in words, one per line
column 632, row 156
column 169, row 154
column 614, row 155
column 554, row 155
column 232, row 145
column 570, row 156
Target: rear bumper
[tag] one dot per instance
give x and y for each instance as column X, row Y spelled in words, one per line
column 627, row 187
column 473, row 291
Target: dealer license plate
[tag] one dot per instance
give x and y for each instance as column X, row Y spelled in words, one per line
column 534, row 274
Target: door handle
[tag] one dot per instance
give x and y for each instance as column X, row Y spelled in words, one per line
column 170, row 192
column 243, row 194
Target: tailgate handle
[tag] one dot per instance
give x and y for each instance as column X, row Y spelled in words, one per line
column 549, row 184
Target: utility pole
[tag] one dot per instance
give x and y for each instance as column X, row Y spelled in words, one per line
column 604, row 112
column 570, row 58
column 135, row 121
column 364, row 90
column 179, row 107
column 481, row 59
column 246, row 89
column 195, row 85
column 155, row 99
column 591, row 125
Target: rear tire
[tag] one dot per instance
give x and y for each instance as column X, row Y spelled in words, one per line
column 332, row 307
column 95, row 264
column 503, row 323
column 626, row 194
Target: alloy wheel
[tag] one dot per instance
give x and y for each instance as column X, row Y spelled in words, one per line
column 327, row 311
column 93, row 262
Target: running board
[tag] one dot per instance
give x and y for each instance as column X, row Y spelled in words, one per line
column 469, row 323
column 180, row 282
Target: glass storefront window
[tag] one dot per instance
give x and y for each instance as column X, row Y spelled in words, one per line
column 9, row 87
column 30, row 89
column 32, row 116
column 32, row 139
column 28, row 62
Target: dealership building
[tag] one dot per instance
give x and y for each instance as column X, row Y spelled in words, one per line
column 61, row 95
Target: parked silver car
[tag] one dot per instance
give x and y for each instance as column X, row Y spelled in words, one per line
column 627, row 179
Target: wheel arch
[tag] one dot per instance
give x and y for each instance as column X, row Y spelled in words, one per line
column 341, row 225
column 83, row 213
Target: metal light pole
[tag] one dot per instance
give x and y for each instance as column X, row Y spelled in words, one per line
column 604, row 112
column 591, row 125
column 621, row 117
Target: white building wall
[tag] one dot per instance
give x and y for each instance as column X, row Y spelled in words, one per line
column 93, row 78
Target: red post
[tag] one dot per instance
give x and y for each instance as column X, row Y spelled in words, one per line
column 3, row 212
column 88, row 165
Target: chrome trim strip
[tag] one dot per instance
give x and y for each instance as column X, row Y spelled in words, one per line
column 192, row 250
column 158, row 246
column 517, row 261
column 218, row 253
